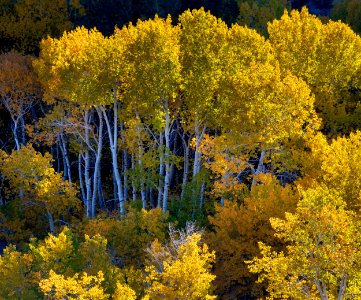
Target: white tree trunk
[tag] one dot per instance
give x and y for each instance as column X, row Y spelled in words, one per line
column 113, row 141
column 81, row 183
column 167, row 153
column 125, row 176
column 161, row 170
column 97, row 163
column 185, row 166
column 51, row 222
column 197, row 155
column 260, row 167
column 64, row 151
column 87, row 167
column 134, row 190
column 140, row 163
column 15, row 133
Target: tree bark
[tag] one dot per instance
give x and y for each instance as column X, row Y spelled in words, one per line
column 197, row 155
column 161, row 170
column 125, row 176
column 81, row 183
column 113, row 141
column 87, row 167
column 185, row 166
column 51, row 222
column 167, row 156
column 260, row 167
column 140, row 163
column 66, row 157
column 134, row 190
column 97, row 163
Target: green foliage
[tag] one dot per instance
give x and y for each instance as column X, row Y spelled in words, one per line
column 17, row 280
column 128, row 237
column 349, row 12
column 24, row 23
column 182, row 210
column 257, row 13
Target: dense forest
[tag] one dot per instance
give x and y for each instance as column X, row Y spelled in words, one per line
column 180, row 149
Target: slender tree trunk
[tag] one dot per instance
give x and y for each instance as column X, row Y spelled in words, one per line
column 342, row 288
column 174, row 152
column 51, row 222
column 140, row 163
column 197, row 192
column 197, row 155
column 113, row 140
column 185, row 166
column 87, row 167
column 167, row 163
column 161, row 170
column 58, row 168
column 65, row 167
column 134, row 190
column 15, row 133
column 97, row 163
column 321, row 289
column 125, row 176
column 22, row 128
column 151, row 198
column 260, row 167
column 201, row 197
column 100, row 192
column 66, row 156
column 80, row 174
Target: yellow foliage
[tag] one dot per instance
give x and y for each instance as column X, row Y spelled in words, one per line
column 323, row 255
column 185, row 276
column 335, row 165
column 152, row 60
column 17, row 280
column 30, row 174
column 82, row 287
column 55, row 253
column 74, row 67
column 123, row 292
column 224, row 160
column 261, row 105
column 328, row 58
column 202, row 40
column 93, row 257
column 238, row 228
column 19, row 86
column 348, row 11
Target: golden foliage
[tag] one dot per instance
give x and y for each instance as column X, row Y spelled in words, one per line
column 83, row 287
column 31, row 175
column 15, row 272
column 184, row 274
column 238, row 228
column 328, row 58
column 322, row 259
